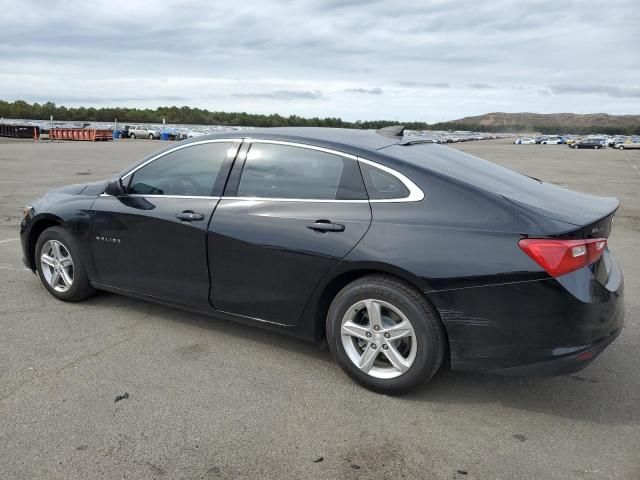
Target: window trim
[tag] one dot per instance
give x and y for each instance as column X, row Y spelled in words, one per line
column 415, row 193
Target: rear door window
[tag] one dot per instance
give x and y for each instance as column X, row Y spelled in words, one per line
column 291, row 172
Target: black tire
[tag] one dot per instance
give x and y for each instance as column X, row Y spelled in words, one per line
column 151, row 137
column 429, row 332
column 596, row 147
column 576, row 147
column 80, row 288
column 621, row 147
column 132, row 136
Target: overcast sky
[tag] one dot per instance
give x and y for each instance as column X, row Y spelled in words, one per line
column 424, row 60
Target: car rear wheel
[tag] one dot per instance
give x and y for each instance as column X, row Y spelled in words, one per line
column 575, row 146
column 385, row 335
column 596, row 147
column 60, row 267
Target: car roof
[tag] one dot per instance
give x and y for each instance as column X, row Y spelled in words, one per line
column 348, row 140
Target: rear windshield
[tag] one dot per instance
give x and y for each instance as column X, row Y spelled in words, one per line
column 464, row 167
column 545, row 198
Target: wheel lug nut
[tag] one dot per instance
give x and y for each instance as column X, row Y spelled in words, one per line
column 386, row 335
column 376, row 328
column 369, row 334
column 373, row 346
column 385, row 347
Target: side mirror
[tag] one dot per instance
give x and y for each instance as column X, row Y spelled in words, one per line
column 115, row 188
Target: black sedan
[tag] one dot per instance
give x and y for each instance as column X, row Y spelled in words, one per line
column 400, row 255
column 594, row 143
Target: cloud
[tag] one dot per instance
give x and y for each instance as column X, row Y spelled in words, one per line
column 608, row 90
column 371, row 91
column 427, row 61
column 283, row 95
column 408, row 83
column 479, row 85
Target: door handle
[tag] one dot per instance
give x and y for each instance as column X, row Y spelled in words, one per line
column 189, row 216
column 326, row 226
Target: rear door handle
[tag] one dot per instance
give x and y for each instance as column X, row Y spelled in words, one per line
column 189, row 216
column 326, row 226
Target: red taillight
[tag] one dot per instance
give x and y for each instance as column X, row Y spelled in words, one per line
column 558, row 257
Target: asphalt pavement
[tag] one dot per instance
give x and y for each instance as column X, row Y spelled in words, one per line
column 209, row 399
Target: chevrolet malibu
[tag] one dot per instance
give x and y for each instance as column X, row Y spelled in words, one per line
column 400, row 255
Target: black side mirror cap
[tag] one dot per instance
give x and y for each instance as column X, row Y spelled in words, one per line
column 115, row 188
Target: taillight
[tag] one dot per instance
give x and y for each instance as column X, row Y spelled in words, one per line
column 559, row 257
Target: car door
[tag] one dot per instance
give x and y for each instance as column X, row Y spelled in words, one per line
column 289, row 214
column 152, row 239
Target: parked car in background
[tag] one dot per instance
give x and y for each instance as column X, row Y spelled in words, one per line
column 144, row 131
column 196, row 133
column 628, row 146
column 551, row 141
column 594, row 143
column 402, row 255
column 524, row 141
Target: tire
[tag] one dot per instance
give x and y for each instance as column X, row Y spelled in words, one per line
column 79, row 288
column 576, row 147
column 596, row 147
column 132, row 136
column 621, row 147
column 151, row 137
column 420, row 342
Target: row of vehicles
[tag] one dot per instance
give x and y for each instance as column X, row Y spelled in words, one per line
column 167, row 132
column 151, row 132
column 592, row 142
column 154, row 133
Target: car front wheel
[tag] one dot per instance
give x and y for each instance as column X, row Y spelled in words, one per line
column 132, row 136
column 60, row 266
column 385, row 335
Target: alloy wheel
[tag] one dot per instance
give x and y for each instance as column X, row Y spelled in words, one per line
column 57, row 265
column 378, row 338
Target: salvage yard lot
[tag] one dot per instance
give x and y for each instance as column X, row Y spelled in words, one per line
column 211, row 399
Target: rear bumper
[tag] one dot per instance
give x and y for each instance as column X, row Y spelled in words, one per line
column 564, row 365
column 540, row 328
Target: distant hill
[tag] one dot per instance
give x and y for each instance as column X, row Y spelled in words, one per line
column 560, row 122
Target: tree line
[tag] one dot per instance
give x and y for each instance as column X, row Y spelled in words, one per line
column 198, row 116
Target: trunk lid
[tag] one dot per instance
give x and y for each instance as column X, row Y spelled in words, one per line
column 591, row 213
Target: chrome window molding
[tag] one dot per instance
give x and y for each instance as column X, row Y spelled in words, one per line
column 306, row 200
column 415, row 193
column 140, row 195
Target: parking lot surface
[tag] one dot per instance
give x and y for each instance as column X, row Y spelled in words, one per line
column 211, row 399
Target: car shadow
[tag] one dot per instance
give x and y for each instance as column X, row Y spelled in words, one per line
column 596, row 394
column 599, row 394
column 213, row 324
